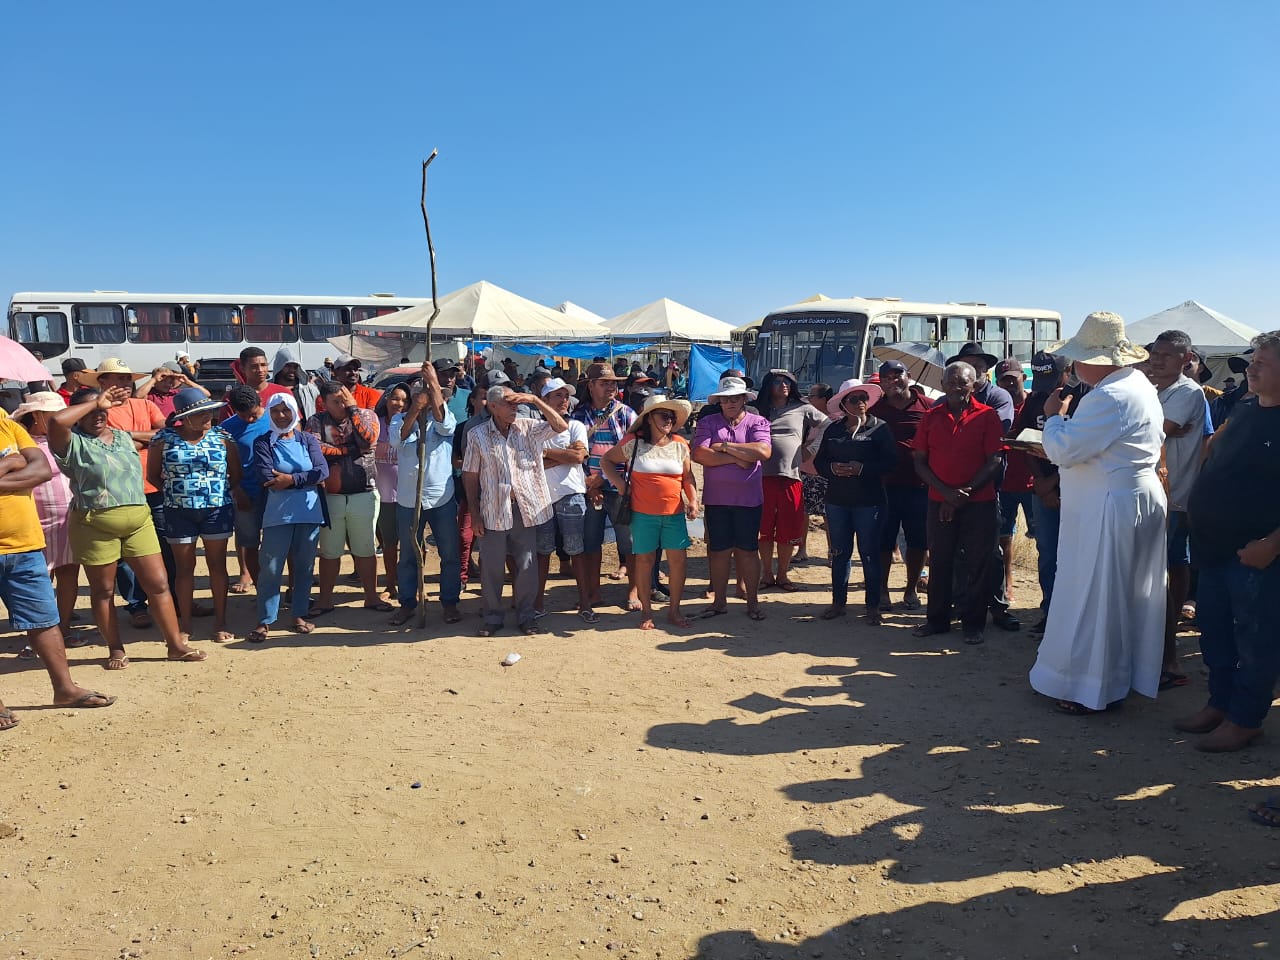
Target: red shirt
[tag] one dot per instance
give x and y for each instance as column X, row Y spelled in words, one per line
column 957, row 448
column 1017, row 472
column 903, row 424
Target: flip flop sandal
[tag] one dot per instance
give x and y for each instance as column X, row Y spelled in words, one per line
column 303, row 626
column 190, row 656
column 1169, row 680
column 1074, row 709
column 84, row 703
column 27, row 653
column 316, row 612
column 74, row 641
column 238, row 588
column 222, row 636
column 633, row 606
column 711, row 612
column 8, row 720
column 588, row 615
column 788, row 586
column 257, row 635
column 380, row 607
column 117, row 663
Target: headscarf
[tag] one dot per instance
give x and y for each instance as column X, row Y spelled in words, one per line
column 275, row 400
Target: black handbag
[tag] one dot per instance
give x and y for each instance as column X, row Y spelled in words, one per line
column 624, row 511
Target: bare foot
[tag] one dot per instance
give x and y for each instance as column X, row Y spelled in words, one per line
column 678, row 618
column 646, row 623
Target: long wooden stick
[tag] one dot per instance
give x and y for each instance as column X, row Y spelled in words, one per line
column 419, row 546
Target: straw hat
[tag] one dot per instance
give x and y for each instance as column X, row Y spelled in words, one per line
column 44, row 400
column 1101, row 340
column 681, row 408
column 872, row 390
column 109, row 365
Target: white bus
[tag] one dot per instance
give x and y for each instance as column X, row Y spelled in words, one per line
column 146, row 329
column 829, row 341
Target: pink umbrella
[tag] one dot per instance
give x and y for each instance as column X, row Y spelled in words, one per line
column 17, row 363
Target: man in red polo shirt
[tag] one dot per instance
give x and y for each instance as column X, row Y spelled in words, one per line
column 957, row 451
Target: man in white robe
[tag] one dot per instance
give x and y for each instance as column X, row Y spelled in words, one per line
column 1105, row 631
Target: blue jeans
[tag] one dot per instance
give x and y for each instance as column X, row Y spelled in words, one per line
column 444, row 527
column 1009, row 504
column 844, row 523
column 1048, row 519
column 1238, row 612
column 296, row 542
column 127, row 585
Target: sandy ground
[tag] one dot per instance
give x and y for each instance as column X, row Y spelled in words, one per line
column 788, row 789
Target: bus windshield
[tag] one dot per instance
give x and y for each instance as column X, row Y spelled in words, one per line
column 817, row 348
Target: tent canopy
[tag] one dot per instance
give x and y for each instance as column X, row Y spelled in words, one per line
column 667, row 320
column 571, row 309
column 487, row 311
column 1210, row 331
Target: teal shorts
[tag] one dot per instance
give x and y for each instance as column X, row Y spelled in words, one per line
column 650, row 531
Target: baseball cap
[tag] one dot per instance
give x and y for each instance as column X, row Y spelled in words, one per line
column 552, row 385
column 172, row 366
column 1006, row 367
column 444, row 363
column 892, row 366
column 345, row 360
column 1047, row 370
column 496, row 378
column 72, row 365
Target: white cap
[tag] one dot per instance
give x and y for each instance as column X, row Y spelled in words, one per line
column 552, row 385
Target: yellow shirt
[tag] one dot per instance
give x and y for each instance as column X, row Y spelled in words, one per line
column 20, row 530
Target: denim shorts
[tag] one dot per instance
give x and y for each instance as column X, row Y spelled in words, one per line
column 570, row 518
column 183, row 525
column 248, row 525
column 27, row 591
column 732, row 528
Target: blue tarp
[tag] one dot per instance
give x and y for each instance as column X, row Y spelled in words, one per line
column 578, row 350
column 706, row 364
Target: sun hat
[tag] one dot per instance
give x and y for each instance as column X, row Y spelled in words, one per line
column 732, row 387
column 681, row 408
column 601, row 371
column 190, row 401
column 973, row 350
column 872, row 390
column 1101, row 340
column 45, row 401
column 779, row 372
column 554, row 384
column 1047, row 370
column 110, row 365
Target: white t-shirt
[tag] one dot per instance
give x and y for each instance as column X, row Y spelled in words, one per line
column 567, row 478
column 1183, row 403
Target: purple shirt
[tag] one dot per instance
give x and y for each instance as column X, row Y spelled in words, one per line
column 732, row 485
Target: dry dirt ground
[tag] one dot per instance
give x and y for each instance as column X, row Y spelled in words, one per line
column 790, row 789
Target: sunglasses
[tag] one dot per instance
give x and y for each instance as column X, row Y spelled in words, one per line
column 664, row 415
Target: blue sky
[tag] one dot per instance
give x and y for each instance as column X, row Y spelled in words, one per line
column 735, row 157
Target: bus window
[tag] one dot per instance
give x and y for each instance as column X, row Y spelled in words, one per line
column 97, row 323
column 881, row 333
column 212, row 323
column 1021, row 334
column 368, row 313
column 918, row 329
column 269, row 324
column 46, row 332
column 154, row 323
column 955, row 334
column 321, row 323
column 1048, row 332
column 991, row 335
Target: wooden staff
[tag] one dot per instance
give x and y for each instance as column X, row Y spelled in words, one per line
column 419, row 547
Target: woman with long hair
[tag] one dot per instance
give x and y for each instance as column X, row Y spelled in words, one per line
column 293, row 469
column 395, row 399
column 196, row 466
column 659, row 474
column 110, row 519
column 857, row 450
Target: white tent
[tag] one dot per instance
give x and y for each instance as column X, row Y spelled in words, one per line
column 571, row 309
column 484, row 311
column 1217, row 335
column 667, row 320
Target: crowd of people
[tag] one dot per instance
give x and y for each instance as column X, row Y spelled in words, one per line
column 1149, row 497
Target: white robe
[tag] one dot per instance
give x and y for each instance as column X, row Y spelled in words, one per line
column 1105, row 634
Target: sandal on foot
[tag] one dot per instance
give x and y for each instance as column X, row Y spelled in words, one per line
column 1071, row 708
column 257, row 635
column 380, row 607
column 486, row 631
column 588, row 615
column 1169, row 679
column 27, row 653
column 8, row 720
column 788, row 586
column 710, row 612
column 633, row 606
column 222, row 636
column 189, row 656
column 117, row 663
column 85, row 702
column 315, row 611
column 239, row 588
column 303, row 626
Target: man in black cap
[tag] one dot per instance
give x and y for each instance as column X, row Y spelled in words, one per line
column 998, row 399
column 72, row 367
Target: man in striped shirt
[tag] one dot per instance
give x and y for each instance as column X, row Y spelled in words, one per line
column 508, row 497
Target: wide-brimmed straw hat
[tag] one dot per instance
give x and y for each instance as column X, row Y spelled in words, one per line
column 872, row 390
column 110, row 365
column 1101, row 340
column 681, row 408
column 45, row 401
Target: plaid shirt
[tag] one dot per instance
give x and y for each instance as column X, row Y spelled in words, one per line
column 614, row 424
column 510, row 469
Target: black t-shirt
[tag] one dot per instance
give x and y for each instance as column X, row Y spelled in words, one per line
column 1032, row 417
column 1235, row 499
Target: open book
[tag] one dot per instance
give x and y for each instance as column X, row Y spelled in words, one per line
column 1028, row 441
